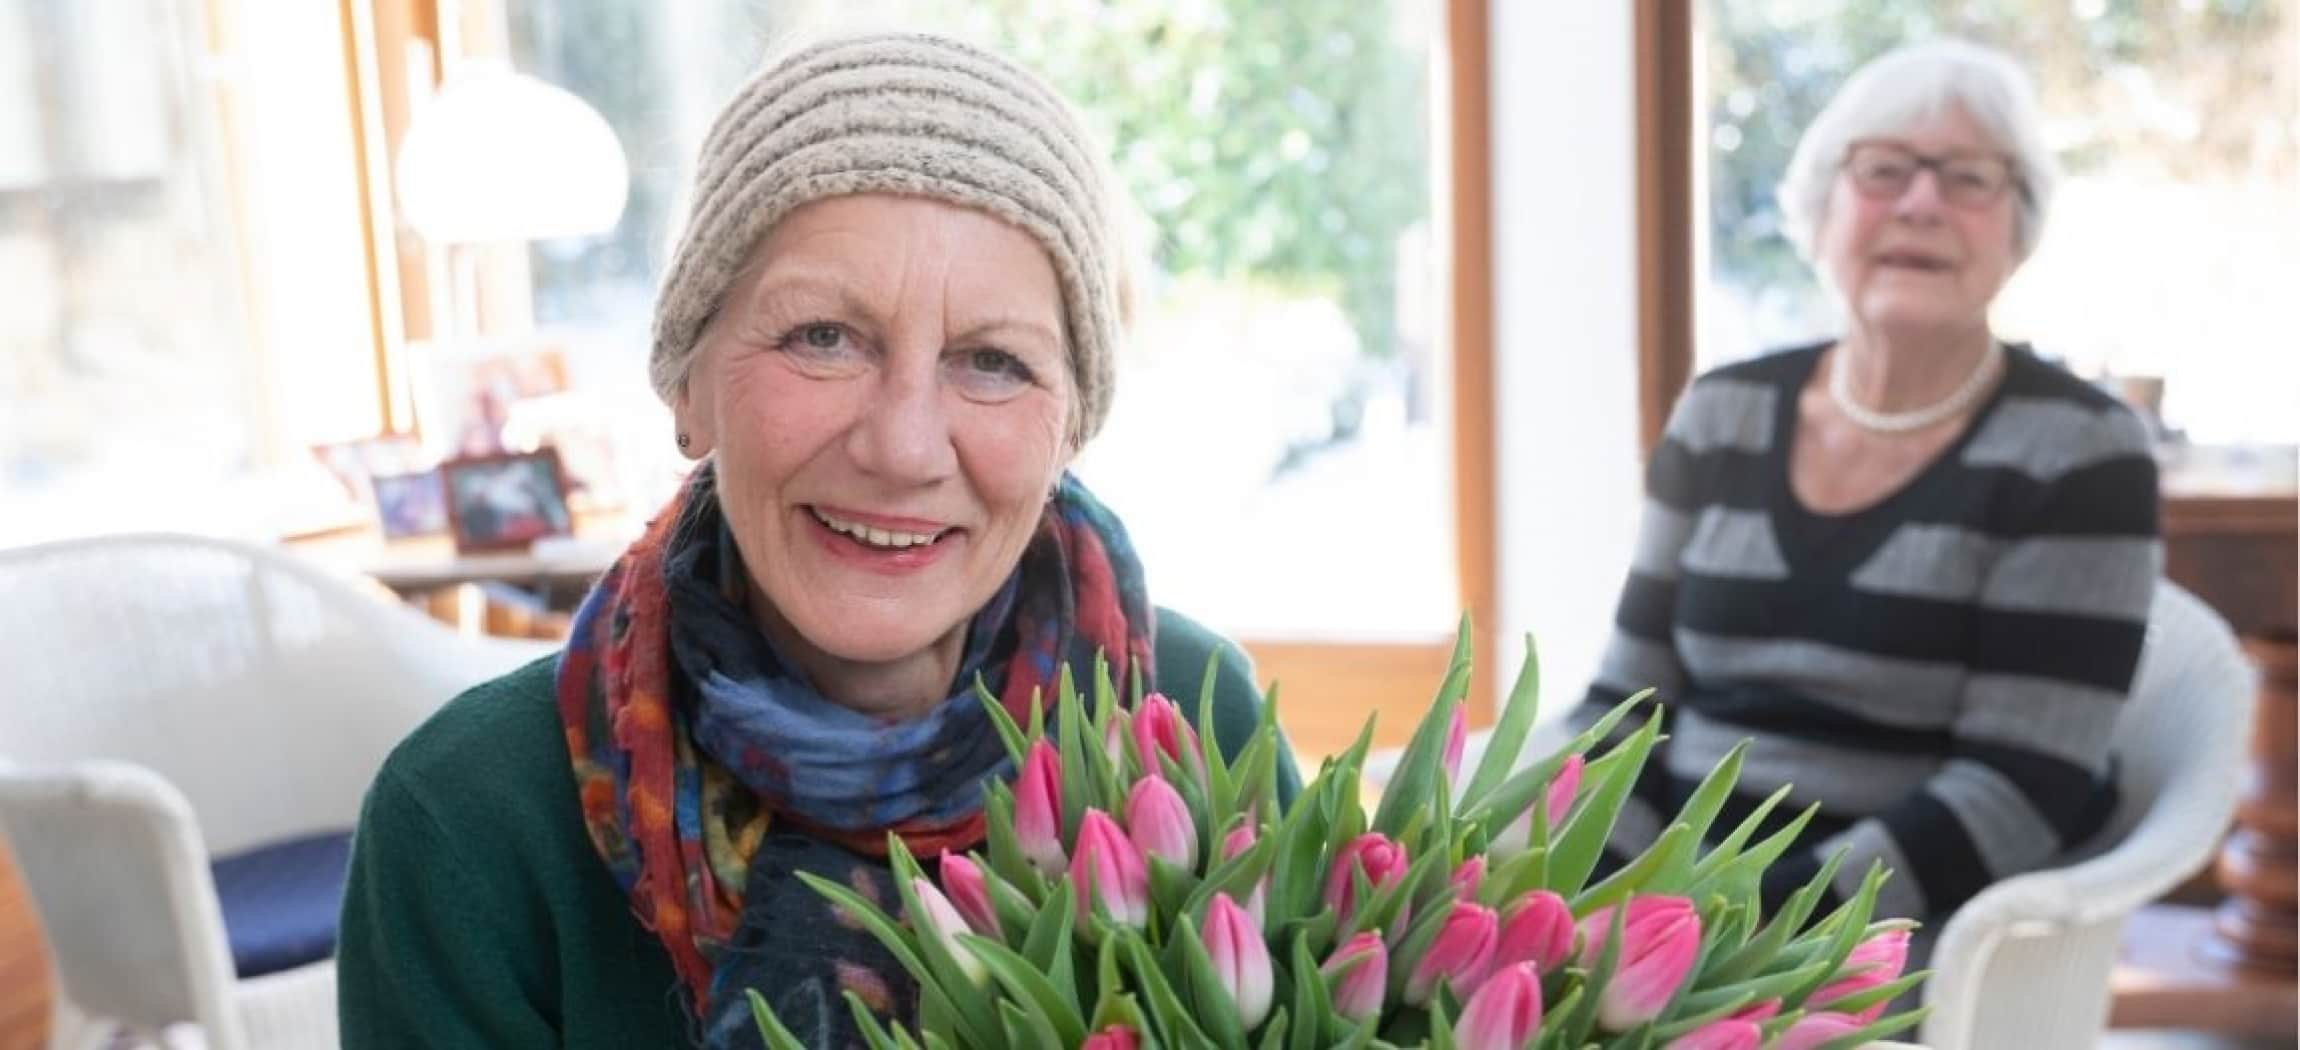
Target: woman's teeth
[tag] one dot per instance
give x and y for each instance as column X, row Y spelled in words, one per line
column 885, row 538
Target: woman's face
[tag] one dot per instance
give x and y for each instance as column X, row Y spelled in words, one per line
column 887, row 390
column 1932, row 255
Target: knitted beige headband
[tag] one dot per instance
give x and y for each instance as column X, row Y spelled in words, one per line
column 906, row 114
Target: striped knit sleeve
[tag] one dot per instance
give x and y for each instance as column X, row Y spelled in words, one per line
column 1641, row 653
column 2061, row 614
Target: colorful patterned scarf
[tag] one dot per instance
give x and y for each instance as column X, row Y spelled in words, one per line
column 690, row 735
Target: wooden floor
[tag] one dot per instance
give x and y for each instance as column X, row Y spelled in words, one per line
column 23, row 971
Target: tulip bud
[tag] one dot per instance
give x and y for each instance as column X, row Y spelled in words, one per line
column 1723, row 1034
column 1383, row 861
column 1239, row 840
column 1161, row 823
column 1160, row 729
column 1874, row 962
column 963, row 881
column 1114, row 738
column 1115, row 1037
column 1038, row 809
column 1241, row 960
column 1358, row 976
column 943, row 922
column 1459, row 956
column 1456, row 740
column 1467, row 877
column 1812, row 1030
column 1659, row 940
column 1558, row 800
column 1537, row 928
column 1108, row 870
column 1505, row 1012
column 1737, row 1031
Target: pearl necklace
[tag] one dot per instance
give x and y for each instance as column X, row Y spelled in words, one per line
column 1841, row 392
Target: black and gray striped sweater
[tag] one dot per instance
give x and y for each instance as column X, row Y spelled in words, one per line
column 1940, row 671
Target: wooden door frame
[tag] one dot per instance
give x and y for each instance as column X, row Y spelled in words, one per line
column 1664, row 33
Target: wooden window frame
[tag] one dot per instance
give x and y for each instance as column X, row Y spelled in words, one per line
column 1664, row 32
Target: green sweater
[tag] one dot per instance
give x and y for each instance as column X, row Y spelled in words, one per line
column 479, row 915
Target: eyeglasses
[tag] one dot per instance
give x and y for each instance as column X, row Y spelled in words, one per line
column 1885, row 170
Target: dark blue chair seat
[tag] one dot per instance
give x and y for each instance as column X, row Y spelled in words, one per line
column 280, row 901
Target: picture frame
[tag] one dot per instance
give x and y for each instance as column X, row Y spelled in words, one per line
column 465, row 391
column 505, row 501
column 355, row 464
column 410, row 504
column 575, row 424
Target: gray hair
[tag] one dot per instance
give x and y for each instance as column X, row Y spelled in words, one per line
column 1907, row 85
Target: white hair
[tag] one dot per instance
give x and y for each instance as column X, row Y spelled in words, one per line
column 1908, row 85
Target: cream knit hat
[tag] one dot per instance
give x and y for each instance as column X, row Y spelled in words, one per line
column 906, row 114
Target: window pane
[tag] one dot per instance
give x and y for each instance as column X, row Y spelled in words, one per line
column 1277, row 421
column 127, row 389
column 2173, row 242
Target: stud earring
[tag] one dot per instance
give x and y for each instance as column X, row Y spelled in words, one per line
column 685, row 441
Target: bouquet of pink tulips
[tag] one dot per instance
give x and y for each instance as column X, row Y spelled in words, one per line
column 1137, row 890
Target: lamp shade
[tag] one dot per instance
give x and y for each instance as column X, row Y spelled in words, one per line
column 498, row 155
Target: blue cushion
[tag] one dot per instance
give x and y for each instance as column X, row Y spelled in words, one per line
column 281, row 900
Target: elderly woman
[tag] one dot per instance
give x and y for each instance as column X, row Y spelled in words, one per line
column 1913, row 563
column 887, row 329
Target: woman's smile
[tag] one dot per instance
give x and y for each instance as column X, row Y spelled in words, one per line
column 878, row 543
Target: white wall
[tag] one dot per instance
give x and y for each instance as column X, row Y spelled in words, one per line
column 1565, row 328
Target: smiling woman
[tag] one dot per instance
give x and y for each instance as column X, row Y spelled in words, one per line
column 886, row 332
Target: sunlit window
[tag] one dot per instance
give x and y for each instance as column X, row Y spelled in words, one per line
column 1277, row 429
column 127, row 390
column 2173, row 245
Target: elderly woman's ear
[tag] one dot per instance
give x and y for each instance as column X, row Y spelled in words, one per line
column 697, row 430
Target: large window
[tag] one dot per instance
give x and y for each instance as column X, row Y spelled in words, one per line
column 126, row 383
column 1278, row 446
column 2173, row 245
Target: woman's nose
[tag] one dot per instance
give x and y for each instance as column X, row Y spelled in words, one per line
column 904, row 432
column 1922, row 196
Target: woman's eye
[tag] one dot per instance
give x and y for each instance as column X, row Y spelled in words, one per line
column 821, row 336
column 992, row 374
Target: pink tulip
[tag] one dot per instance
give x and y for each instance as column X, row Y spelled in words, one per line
column 1724, row 1034
column 1505, row 1012
column 963, row 880
column 1241, row 961
column 1874, row 962
column 1160, row 729
column 1108, row 870
column 1812, row 1030
column 1660, row 938
column 1114, row 738
column 1239, row 840
column 1459, row 956
column 1383, row 861
column 1537, row 928
column 1358, row 976
column 1038, row 809
column 1161, row 823
column 945, row 924
column 1559, row 798
column 1736, row 1031
column 1115, row 1037
column 1468, row 877
column 1456, row 740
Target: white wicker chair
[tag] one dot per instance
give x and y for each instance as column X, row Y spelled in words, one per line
column 169, row 697
column 2027, row 962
